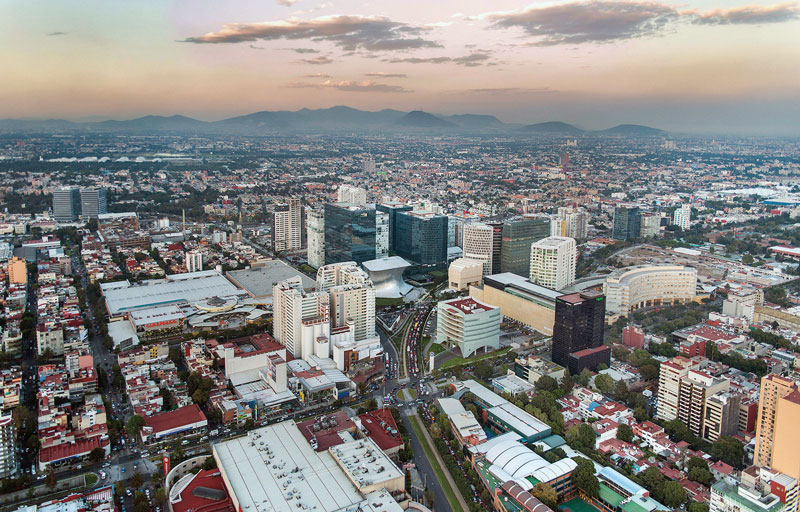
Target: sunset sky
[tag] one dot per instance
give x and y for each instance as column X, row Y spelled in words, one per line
column 700, row 66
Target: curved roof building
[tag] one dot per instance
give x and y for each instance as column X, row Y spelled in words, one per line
column 631, row 288
column 387, row 276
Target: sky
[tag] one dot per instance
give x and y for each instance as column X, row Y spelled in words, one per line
column 701, row 66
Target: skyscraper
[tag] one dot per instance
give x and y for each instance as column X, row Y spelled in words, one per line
column 627, row 223
column 351, row 233
column 786, row 442
column 352, row 297
column 421, row 236
column 773, row 389
column 553, row 262
column 497, row 245
column 93, row 203
column 66, row 204
column 651, row 225
column 287, row 226
column 455, row 225
column 9, row 463
column 571, row 222
column 315, row 229
column 518, row 235
column 683, row 217
column 193, row 261
column 478, row 244
column 393, row 209
column 351, row 194
column 300, row 318
column 578, row 331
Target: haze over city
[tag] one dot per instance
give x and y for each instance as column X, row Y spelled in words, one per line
column 706, row 66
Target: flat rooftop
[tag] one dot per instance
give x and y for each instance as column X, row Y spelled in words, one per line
column 389, row 263
column 468, row 305
column 365, row 462
column 258, row 282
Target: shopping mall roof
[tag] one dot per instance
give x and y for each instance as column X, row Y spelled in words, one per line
column 258, row 281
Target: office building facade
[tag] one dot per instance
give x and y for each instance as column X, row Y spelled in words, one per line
column 627, row 223
column 287, row 226
column 315, row 237
column 518, row 235
column 421, row 236
column 392, row 209
column 455, row 227
column 66, row 204
column 553, row 262
column 93, row 203
column 351, row 233
column 632, row 288
column 651, row 225
column 351, row 194
column 478, row 244
column 579, row 325
column 9, row 463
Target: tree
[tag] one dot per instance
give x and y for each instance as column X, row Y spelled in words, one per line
column 674, row 494
column 747, row 259
column 97, row 455
column 583, row 477
column 50, row 480
column 134, row 425
column 584, row 377
column 137, row 480
column 620, row 391
column 161, row 495
column 546, row 494
column 546, row 383
column 696, row 506
column 729, row 450
column 624, row 433
column 249, row 424
column 652, row 479
column 603, row 383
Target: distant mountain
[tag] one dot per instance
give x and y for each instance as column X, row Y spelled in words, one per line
column 155, row 123
column 475, row 121
column 634, row 130
column 553, row 128
column 421, row 119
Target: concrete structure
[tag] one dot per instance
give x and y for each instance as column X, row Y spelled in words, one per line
column 9, row 463
column 315, row 237
column 66, row 204
column 275, row 468
column 669, row 386
column 579, row 325
column 17, row 271
column 478, row 244
column 570, row 222
column 774, row 389
column 743, row 498
column 627, row 223
column 553, row 262
column 631, row 288
column 519, row 300
column 351, row 194
column 534, row 368
column 722, row 413
column 193, row 261
column 352, row 297
column 287, row 226
column 465, row 426
column 468, row 324
column 93, row 203
column 633, row 336
column 511, row 383
column 259, row 280
column 463, row 273
column 301, row 320
column 682, row 217
column 386, row 275
column 455, row 227
column 651, row 225
column 786, row 442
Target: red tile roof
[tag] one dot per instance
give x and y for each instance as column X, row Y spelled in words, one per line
column 379, row 423
column 210, row 479
column 173, row 419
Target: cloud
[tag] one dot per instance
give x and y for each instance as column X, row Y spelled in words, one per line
column 287, row 3
column 381, row 74
column 508, row 90
column 322, row 59
column 595, row 21
column 317, row 75
column 749, row 15
column 351, row 86
column 303, row 50
column 372, row 33
column 471, row 60
column 57, row 34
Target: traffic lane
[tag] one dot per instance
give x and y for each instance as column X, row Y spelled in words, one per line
column 424, row 467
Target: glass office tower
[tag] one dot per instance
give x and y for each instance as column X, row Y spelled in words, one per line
column 350, row 233
column 421, row 236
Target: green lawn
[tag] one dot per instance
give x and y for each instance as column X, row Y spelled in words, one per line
column 383, row 301
column 435, row 348
column 407, row 394
column 577, row 505
column 90, row 479
column 457, row 361
column 449, row 492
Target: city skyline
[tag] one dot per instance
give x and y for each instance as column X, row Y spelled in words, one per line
column 700, row 67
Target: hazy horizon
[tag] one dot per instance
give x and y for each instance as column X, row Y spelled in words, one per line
column 703, row 67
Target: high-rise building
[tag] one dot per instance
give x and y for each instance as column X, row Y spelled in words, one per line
column 351, row 233
column 627, row 223
column 468, row 324
column 93, row 203
column 368, row 165
column 351, row 194
column 651, row 225
column 193, row 261
column 287, row 226
column 518, row 235
column 696, row 388
column 352, row 297
column 455, row 227
column 786, row 442
column 301, row 320
column 721, row 416
column 9, row 462
column 497, row 245
column 17, row 271
column 553, row 262
column 669, row 386
column 571, row 222
column 421, row 236
column 773, row 389
column 393, row 209
column 66, row 204
column 478, row 244
column 578, row 331
column 315, row 234
column 683, row 217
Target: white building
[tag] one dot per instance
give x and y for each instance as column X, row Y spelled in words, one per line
column 8, row 456
column 315, row 236
column 287, row 226
column 300, row 318
column 468, row 324
column 553, row 262
column 570, row 222
column 193, row 261
column 478, row 244
column 683, row 216
column 352, row 297
column 351, row 194
column 651, row 225
column 464, row 272
column 631, row 288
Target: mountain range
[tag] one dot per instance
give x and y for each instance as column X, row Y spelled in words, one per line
column 329, row 119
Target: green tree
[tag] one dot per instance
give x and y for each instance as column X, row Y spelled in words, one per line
column 652, row 479
column 584, row 377
column 674, row 495
column 624, row 433
column 50, row 479
column 161, row 495
column 546, row 383
column 603, row 383
column 546, row 494
column 134, row 425
column 249, row 424
column 729, row 450
column 583, row 477
column 97, row 455
column 696, row 506
column 136, row 480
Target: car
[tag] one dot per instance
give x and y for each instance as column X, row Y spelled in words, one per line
column 122, row 470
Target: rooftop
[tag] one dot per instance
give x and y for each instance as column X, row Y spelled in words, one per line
column 259, row 281
column 469, row 305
